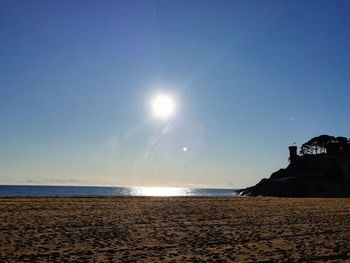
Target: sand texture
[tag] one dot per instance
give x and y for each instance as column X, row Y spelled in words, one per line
column 136, row 229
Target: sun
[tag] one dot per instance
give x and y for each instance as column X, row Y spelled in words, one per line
column 163, row 106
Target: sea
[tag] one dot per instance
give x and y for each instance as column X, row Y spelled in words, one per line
column 62, row 191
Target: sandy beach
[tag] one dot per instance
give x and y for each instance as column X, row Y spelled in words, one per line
column 137, row 229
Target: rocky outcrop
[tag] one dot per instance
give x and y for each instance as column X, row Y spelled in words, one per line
column 307, row 176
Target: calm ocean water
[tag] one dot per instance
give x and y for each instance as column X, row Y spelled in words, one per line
column 24, row 190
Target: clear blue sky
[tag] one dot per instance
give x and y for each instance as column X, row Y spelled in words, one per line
column 249, row 77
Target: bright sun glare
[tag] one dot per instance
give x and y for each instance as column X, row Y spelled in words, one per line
column 163, row 106
column 159, row 191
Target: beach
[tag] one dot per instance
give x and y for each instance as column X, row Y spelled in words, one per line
column 174, row 229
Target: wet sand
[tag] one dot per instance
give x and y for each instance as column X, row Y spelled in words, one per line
column 136, row 229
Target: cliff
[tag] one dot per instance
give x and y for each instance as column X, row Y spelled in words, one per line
column 307, row 176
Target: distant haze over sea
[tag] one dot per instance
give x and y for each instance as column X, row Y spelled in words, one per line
column 28, row 190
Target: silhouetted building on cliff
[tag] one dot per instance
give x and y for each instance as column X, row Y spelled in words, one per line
column 293, row 153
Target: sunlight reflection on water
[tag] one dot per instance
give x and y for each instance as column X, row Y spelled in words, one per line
column 159, row 191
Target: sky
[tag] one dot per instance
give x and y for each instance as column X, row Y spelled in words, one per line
column 249, row 78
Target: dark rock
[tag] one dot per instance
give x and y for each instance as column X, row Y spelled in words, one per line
column 307, row 176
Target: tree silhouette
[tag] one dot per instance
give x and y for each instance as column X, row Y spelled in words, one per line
column 343, row 141
column 319, row 144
